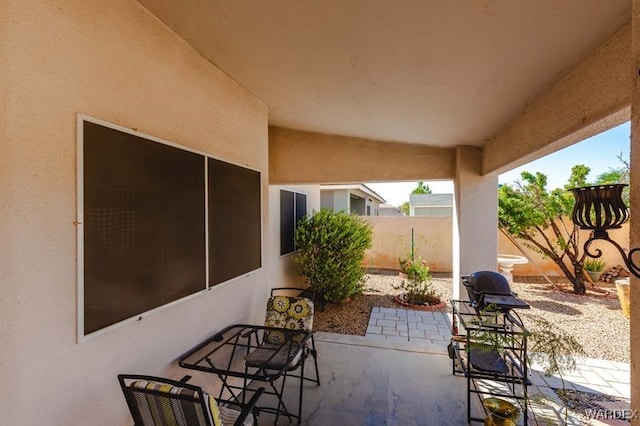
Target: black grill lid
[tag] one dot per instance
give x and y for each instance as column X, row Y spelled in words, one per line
column 491, row 288
column 489, row 282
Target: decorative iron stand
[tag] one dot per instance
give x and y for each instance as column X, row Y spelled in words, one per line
column 600, row 208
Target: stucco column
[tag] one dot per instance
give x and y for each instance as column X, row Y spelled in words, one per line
column 634, row 228
column 475, row 224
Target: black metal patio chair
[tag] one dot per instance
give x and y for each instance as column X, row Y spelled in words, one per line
column 155, row 401
column 291, row 313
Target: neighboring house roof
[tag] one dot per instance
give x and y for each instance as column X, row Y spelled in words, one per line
column 388, row 206
column 362, row 187
column 431, row 200
column 389, row 210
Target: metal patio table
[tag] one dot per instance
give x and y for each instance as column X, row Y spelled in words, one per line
column 238, row 355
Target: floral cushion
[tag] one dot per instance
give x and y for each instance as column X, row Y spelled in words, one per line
column 291, row 313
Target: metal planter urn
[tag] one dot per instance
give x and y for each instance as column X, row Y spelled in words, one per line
column 501, row 412
column 599, row 208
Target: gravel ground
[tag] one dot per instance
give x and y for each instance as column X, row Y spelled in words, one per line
column 595, row 320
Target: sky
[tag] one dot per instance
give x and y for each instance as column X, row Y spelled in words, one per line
column 599, row 153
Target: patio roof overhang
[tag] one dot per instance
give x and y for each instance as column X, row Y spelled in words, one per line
column 516, row 80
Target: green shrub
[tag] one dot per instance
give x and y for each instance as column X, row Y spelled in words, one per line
column 332, row 247
column 594, row 265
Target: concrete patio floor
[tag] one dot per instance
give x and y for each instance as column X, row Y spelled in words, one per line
column 400, row 374
column 371, row 381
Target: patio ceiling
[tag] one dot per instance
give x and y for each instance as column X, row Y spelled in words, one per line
column 440, row 73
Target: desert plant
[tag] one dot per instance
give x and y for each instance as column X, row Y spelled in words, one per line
column 594, row 265
column 488, row 334
column 331, row 250
column 556, row 350
column 417, row 285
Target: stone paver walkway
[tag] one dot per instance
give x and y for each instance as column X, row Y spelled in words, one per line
column 603, row 377
column 405, row 324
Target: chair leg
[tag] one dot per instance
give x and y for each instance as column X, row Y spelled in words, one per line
column 280, row 395
column 279, row 398
column 301, row 388
column 314, row 354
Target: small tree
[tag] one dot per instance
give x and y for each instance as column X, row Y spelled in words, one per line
column 404, row 207
column 421, row 189
column 332, row 248
column 528, row 211
column 417, row 286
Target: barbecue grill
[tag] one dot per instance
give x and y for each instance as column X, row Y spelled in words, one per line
column 488, row 288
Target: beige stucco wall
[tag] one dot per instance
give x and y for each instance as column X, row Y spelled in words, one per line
column 114, row 61
column 306, row 157
column 432, row 236
column 539, row 263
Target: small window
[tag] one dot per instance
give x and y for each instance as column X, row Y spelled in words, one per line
column 293, row 207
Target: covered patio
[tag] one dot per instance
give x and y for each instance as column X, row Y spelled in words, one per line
column 381, row 379
column 299, row 93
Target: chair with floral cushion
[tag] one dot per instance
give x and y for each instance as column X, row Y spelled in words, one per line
column 155, row 401
column 288, row 313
